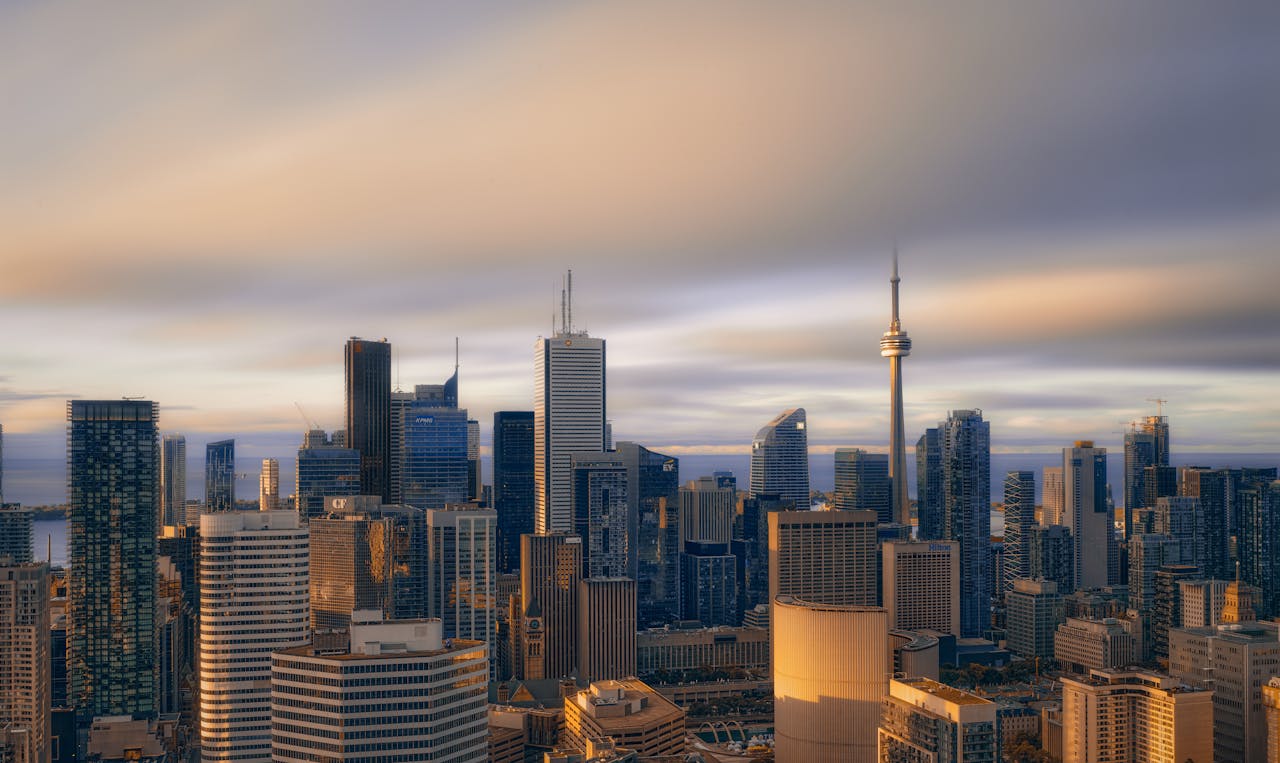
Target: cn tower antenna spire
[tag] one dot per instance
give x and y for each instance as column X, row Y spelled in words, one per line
column 895, row 324
column 896, row 345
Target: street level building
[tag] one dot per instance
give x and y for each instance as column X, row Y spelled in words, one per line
column 924, row 720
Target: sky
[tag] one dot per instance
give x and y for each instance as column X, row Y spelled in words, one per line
column 201, row 202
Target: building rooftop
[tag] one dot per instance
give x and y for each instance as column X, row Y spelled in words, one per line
column 943, row 691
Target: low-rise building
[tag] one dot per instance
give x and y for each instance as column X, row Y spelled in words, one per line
column 630, row 712
column 1084, row 645
column 720, row 647
column 923, row 720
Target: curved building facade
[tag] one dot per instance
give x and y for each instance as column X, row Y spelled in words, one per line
column 830, row 676
column 780, row 459
column 254, row 600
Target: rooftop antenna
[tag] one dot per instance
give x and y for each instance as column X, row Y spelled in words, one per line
column 895, row 324
column 571, row 301
column 563, row 323
column 455, row 356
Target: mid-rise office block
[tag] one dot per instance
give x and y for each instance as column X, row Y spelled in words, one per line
column 780, row 458
column 689, row 649
column 1271, row 708
column 269, row 485
column 1234, row 660
column 220, row 475
column 324, row 469
column 709, row 584
column 1085, row 645
column 1051, row 556
column 922, row 585
column 830, row 674
column 606, row 628
column 706, row 511
column 462, row 574
column 17, row 526
column 863, row 484
column 1216, row 490
column 1084, row 480
column 653, row 483
column 113, row 464
column 401, row 692
column 924, row 720
column 25, row 659
column 1132, row 716
column 601, row 515
column 568, row 417
column 929, row 496
column 1182, row 519
column 513, row 486
column 253, row 601
column 1168, row 605
column 1019, row 518
column 631, row 713
column 966, row 484
column 1202, row 602
column 367, row 366
column 550, row 568
column 406, row 546
column 1034, row 610
column 173, row 480
column 350, row 568
column 823, row 557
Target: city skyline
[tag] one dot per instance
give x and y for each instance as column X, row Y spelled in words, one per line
column 1096, row 260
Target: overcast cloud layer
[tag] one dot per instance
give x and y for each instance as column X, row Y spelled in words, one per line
column 199, row 203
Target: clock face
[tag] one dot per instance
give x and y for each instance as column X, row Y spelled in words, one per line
column 534, row 625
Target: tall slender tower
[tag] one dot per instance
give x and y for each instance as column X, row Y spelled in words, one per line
column 896, row 345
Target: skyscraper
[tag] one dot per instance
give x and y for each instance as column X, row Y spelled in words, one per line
column 253, row 601
column 1146, row 444
column 896, row 345
column 461, row 579
column 823, row 557
column 368, row 412
column 113, row 464
column 474, row 486
column 966, row 486
column 568, row 416
column 269, row 485
column 220, row 475
column 16, row 533
column 24, row 666
column 550, row 568
column 350, row 568
column 1019, row 518
column 173, row 480
column 1258, row 541
column 1084, row 481
column 708, row 583
column 863, row 483
column 323, row 470
column 435, row 467
column 929, row 496
column 600, row 515
column 653, row 483
column 922, row 585
column 1134, row 715
column 780, row 459
column 513, row 485
column 606, row 629
column 1217, row 493
column 1053, row 497
column 706, row 511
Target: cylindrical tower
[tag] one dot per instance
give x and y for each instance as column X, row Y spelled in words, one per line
column 896, row 345
column 830, row 675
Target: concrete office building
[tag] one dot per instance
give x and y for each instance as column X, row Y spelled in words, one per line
column 831, row 672
column 780, row 459
column 631, row 713
column 706, row 511
column 1135, row 716
column 399, row 692
column 461, row 571
column 922, row 585
column 966, row 484
column 568, row 416
column 1084, row 645
column 924, row 720
column 1034, row 610
column 688, row 649
column 1202, row 602
column 1235, row 660
column 25, row 681
column 253, row 601
column 113, row 465
column 823, row 557
column 606, row 628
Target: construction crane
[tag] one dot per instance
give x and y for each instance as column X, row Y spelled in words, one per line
column 1159, row 401
column 307, row 420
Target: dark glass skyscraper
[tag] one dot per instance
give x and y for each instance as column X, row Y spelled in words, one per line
column 513, row 486
column 966, row 483
column 863, row 484
column 435, row 468
column 324, row 469
column 653, row 501
column 220, row 475
column 1019, row 518
column 113, row 464
column 600, row 515
column 929, row 497
column 368, row 386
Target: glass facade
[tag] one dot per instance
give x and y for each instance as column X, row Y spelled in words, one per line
column 780, row 459
column 513, row 486
column 966, row 481
column 862, row 483
column 368, row 412
column 654, row 499
column 220, row 475
column 113, row 458
column 324, row 470
column 350, row 568
column 435, row 469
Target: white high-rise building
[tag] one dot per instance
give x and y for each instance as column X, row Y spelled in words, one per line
column 780, row 459
column 269, row 485
column 568, row 417
column 399, row 693
column 1087, row 513
column 254, row 600
column 173, row 479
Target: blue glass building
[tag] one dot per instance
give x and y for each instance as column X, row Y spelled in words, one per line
column 966, row 486
column 435, row 468
column 513, row 486
column 220, row 475
column 324, row 470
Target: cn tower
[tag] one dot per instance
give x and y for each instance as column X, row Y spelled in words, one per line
column 896, row 345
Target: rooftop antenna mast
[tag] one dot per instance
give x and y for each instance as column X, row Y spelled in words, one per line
column 570, row 302
column 563, row 324
column 455, row 355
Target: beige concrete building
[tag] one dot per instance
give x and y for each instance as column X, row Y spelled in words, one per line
column 914, row 654
column 1271, row 707
column 831, row 672
column 630, row 712
column 823, row 557
column 922, row 585
column 1202, row 602
column 719, row 647
column 1084, row 645
column 24, row 660
column 1033, row 612
column 706, row 511
column 1132, row 716
column 924, row 720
